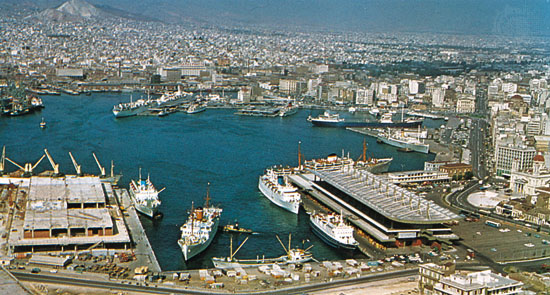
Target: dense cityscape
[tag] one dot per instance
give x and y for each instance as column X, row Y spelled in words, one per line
column 474, row 219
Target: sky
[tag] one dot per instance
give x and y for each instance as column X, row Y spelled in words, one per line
column 502, row 17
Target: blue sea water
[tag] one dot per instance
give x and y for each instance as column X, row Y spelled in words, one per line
column 184, row 153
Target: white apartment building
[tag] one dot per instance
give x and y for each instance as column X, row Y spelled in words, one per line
column 465, row 105
column 438, row 97
column 478, row 283
column 505, row 155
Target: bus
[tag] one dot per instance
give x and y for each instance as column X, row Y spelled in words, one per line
column 493, row 223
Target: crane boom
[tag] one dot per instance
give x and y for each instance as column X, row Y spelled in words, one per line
column 38, row 162
column 77, row 167
column 9, row 160
column 282, row 244
column 3, row 160
column 239, row 248
column 101, row 169
column 54, row 165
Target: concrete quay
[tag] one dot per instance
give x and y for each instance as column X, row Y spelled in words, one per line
column 143, row 251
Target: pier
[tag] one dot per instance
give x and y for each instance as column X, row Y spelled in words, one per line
column 143, row 250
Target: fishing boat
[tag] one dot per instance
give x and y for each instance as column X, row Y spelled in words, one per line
column 275, row 186
column 43, row 124
column 144, row 197
column 292, row 256
column 200, row 229
column 332, row 230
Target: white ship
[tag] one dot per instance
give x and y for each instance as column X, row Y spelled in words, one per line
column 288, row 110
column 196, row 108
column 199, row 230
column 144, row 196
column 132, row 108
column 398, row 139
column 332, row 229
column 275, row 186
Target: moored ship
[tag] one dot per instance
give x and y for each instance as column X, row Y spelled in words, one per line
column 132, row 108
column 332, row 161
column 408, row 143
column 196, row 108
column 288, row 110
column 292, row 256
column 144, row 196
column 276, row 187
column 333, row 120
column 332, row 229
column 199, row 230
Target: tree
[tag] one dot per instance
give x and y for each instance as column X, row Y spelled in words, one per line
column 468, row 175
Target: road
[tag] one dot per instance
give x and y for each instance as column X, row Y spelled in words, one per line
column 479, row 135
column 111, row 285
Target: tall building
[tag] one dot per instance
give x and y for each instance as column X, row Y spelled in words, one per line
column 438, row 97
column 364, row 96
column 506, row 154
column 192, row 67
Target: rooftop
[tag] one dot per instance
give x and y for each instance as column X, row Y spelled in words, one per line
column 390, row 200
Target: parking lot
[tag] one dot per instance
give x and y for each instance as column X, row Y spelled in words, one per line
column 509, row 242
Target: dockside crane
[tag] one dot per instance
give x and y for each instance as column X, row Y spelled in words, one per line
column 77, row 167
column 55, row 166
column 27, row 169
column 101, row 168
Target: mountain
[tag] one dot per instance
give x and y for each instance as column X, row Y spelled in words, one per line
column 80, row 10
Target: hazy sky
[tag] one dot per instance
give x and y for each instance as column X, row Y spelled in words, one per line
column 508, row 17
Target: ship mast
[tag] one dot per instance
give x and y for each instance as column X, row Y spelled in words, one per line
column 299, row 156
column 192, row 218
column 207, row 196
column 364, row 150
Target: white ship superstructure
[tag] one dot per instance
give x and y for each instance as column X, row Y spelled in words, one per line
column 332, row 229
column 144, row 196
column 199, row 230
column 276, row 187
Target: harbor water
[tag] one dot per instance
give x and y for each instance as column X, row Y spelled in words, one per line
column 184, row 153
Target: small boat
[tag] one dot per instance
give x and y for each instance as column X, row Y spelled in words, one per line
column 234, row 228
column 196, row 108
column 43, row 124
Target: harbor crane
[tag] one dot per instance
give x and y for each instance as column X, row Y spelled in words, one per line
column 55, row 166
column 101, row 168
column 77, row 167
column 27, row 169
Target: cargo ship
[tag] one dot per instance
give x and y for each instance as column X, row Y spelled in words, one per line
column 275, row 186
column 144, row 196
column 333, row 231
column 292, row 256
column 333, row 120
column 199, row 230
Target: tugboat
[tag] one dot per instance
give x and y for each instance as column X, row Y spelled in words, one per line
column 234, row 228
column 43, row 124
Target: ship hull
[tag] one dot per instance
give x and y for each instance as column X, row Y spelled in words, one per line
column 276, row 199
column 193, row 250
column 197, row 110
column 379, row 167
column 414, row 147
column 328, row 239
column 221, row 263
column 345, row 124
column 129, row 112
column 146, row 210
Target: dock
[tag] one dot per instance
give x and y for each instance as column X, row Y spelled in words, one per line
column 143, row 250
